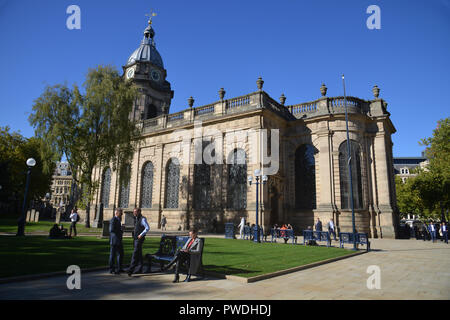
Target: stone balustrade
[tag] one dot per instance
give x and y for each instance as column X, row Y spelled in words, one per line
column 255, row 100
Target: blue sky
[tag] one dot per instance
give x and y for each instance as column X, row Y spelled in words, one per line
column 293, row 45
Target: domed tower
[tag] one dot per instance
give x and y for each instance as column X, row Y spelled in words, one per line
column 145, row 68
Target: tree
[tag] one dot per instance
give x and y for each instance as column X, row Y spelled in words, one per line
column 408, row 200
column 14, row 152
column 433, row 183
column 88, row 129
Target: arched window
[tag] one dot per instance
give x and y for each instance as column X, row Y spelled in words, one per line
column 305, row 177
column 172, row 183
column 147, row 185
column 356, row 175
column 237, row 180
column 124, row 192
column 106, row 185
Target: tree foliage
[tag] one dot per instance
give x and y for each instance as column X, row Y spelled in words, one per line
column 14, row 152
column 431, row 186
column 88, row 128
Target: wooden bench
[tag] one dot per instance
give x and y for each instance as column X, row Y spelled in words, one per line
column 168, row 246
column 284, row 234
column 310, row 235
column 361, row 239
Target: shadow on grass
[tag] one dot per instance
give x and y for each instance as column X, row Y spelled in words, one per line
column 227, row 270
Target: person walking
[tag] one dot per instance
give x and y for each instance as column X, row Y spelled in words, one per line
column 318, row 225
column 163, row 223
column 241, row 227
column 140, row 230
column 432, row 231
column 115, row 241
column 332, row 228
column 444, row 231
column 74, row 218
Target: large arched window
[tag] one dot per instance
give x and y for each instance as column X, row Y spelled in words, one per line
column 147, row 185
column 106, row 185
column 305, row 177
column 237, row 180
column 124, row 192
column 356, row 175
column 172, row 183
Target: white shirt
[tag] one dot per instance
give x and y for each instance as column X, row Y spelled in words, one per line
column 145, row 225
column 73, row 217
column 242, row 224
column 432, row 227
column 331, row 224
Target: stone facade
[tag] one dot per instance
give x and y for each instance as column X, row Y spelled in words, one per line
column 173, row 184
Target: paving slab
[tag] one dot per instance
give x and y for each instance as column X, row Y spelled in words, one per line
column 409, row 269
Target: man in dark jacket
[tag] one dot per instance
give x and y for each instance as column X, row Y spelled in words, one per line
column 115, row 240
column 318, row 225
column 140, row 230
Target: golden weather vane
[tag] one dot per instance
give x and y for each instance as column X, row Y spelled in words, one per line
column 151, row 15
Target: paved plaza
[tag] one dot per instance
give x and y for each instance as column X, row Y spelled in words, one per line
column 410, row 269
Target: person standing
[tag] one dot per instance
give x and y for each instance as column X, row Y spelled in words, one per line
column 444, row 231
column 74, row 218
column 163, row 223
column 332, row 228
column 140, row 230
column 241, row 227
column 318, row 225
column 115, row 241
column 190, row 255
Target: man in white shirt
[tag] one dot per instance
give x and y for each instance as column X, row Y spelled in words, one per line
column 433, row 232
column 141, row 228
column 241, row 226
column 74, row 219
column 332, row 228
column 444, row 231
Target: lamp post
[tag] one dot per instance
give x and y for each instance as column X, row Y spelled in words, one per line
column 349, row 158
column 21, row 222
column 257, row 183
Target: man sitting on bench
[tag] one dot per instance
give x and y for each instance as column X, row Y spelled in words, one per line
column 183, row 256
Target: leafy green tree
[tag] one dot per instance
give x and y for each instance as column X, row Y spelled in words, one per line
column 14, row 152
column 88, row 128
column 408, row 200
column 433, row 182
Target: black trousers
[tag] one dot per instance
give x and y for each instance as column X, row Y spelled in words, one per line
column 73, row 226
column 116, row 256
column 136, row 259
column 180, row 258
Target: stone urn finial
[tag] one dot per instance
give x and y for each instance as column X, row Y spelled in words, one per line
column 323, row 90
column 282, row 99
column 376, row 91
column 191, row 102
column 221, row 93
column 260, row 83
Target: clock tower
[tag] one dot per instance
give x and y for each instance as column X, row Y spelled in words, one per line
column 145, row 68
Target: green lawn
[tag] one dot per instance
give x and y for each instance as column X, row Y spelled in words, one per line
column 10, row 226
column 38, row 254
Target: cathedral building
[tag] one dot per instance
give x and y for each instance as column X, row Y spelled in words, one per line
column 306, row 178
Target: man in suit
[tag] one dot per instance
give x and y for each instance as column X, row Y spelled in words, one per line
column 115, row 241
column 332, row 228
column 189, row 254
column 318, row 225
column 140, row 230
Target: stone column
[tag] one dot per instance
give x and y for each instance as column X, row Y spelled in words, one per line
column 323, row 178
column 385, row 209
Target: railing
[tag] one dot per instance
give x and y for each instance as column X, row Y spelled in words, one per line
column 150, row 123
column 204, row 110
column 303, row 107
column 238, row 102
column 175, row 116
column 338, row 102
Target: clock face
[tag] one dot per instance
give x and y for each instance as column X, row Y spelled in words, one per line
column 155, row 75
column 130, row 73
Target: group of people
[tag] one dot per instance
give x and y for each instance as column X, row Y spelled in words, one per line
column 59, row 232
column 330, row 226
column 430, row 231
column 141, row 228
